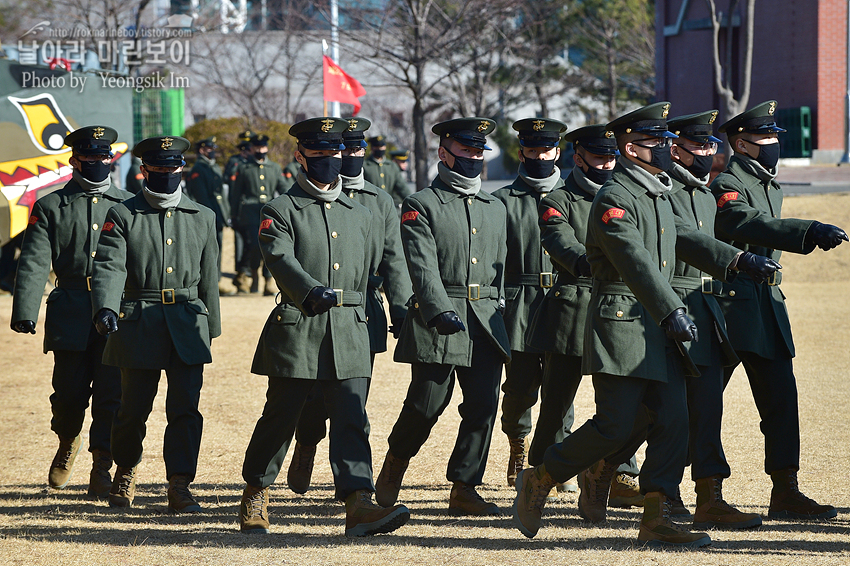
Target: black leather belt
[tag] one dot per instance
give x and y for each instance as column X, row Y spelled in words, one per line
column 343, row 299
column 472, row 292
column 74, row 283
column 164, row 296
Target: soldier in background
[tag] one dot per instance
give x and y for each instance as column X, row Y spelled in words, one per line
column 234, row 162
column 749, row 210
column 401, row 157
column 289, row 174
column 63, row 231
column 133, row 181
column 155, row 291
column 205, row 186
column 383, row 172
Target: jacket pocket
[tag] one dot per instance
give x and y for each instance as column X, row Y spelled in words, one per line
column 620, row 311
column 736, row 292
column 511, row 292
column 286, row 315
column 130, row 310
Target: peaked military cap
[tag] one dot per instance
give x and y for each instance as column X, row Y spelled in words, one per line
column 92, row 140
column 244, row 139
column 471, row 132
column 400, row 154
column 207, row 142
column 162, row 151
column 259, row 139
column 539, row 132
column 353, row 136
column 649, row 120
column 320, row 133
column 695, row 127
column 757, row 120
column 596, row 138
column 377, row 141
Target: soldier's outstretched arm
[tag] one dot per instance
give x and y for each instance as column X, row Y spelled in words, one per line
column 33, row 268
column 392, row 266
column 558, row 237
column 702, row 251
column 208, row 285
column 109, row 272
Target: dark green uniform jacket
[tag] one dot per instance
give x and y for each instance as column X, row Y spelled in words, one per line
column 63, row 230
column 558, row 324
column 528, row 269
column 455, row 249
column 696, row 207
column 389, row 270
column 307, row 243
column 749, row 216
column 205, row 186
column 289, row 173
column 632, row 248
column 254, row 185
column 233, row 164
column 388, row 176
column 143, row 249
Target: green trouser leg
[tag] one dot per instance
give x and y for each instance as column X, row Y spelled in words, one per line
column 523, row 376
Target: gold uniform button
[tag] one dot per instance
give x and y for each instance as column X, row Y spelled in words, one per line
column 731, row 293
column 168, row 241
column 664, row 263
column 474, row 231
column 334, row 234
column 700, row 223
column 469, row 200
column 262, row 177
column 120, row 315
column 168, row 214
column 351, row 194
column 662, row 230
column 263, row 188
column 169, row 269
column 278, row 317
column 382, row 174
column 557, row 293
column 94, row 200
column 416, row 305
column 261, row 166
column 336, row 266
column 545, row 252
column 619, row 314
column 93, row 254
column 94, row 226
column 328, row 205
column 475, row 260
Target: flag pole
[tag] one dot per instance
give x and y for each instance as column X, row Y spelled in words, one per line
column 324, row 102
column 335, row 45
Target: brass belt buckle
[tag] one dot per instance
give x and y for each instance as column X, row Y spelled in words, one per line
column 88, row 282
column 166, row 301
column 546, row 279
column 469, row 292
column 338, row 297
column 775, row 279
column 707, row 285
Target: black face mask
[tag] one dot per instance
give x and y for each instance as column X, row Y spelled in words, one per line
column 598, row 176
column 163, row 183
column 539, row 168
column 466, row 166
column 768, row 155
column 661, row 158
column 259, row 155
column 701, row 165
column 378, row 153
column 211, row 155
column 324, row 169
column 94, row 171
column 351, row 166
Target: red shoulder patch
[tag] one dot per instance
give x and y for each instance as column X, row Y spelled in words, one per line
column 33, row 219
column 613, row 213
column 726, row 198
column 266, row 224
column 195, row 175
column 409, row 215
column 139, row 176
column 107, row 226
column 550, row 212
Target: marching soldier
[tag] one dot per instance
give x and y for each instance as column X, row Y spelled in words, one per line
column 749, row 202
column 256, row 182
column 206, row 186
column 453, row 235
column 63, row 230
column 155, row 290
column 320, row 248
column 558, row 324
column 693, row 154
column 384, row 173
column 388, row 272
column 234, row 162
column 289, row 174
column 528, row 273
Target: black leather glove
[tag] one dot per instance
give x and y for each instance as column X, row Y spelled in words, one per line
column 106, row 321
column 447, row 323
column 320, row 299
column 583, row 266
column 826, row 236
column 24, row 326
column 679, row 326
column 758, row 267
column 395, row 329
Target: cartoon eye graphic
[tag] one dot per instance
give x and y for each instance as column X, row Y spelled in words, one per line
column 45, row 123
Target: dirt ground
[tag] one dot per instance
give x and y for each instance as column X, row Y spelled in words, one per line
column 41, row 526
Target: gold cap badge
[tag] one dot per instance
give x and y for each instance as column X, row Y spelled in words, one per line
column 482, row 127
column 665, row 110
column 772, row 108
column 166, row 143
column 327, row 124
column 538, row 125
column 352, row 123
column 98, row 133
column 713, row 117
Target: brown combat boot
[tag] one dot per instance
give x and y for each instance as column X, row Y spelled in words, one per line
column 123, row 487
column 465, row 499
column 270, row 288
column 562, row 488
column 677, row 507
column 240, row 281
column 254, row 511
column 255, row 281
column 594, row 484
column 301, row 468
column 180, row 499
column 787, row 502
column 100, row 482
column 62, row 465
column 625, row 492
column 363, row 517
column 657, row 529
column 532, row 486
column 389, row 480
column 713, row 511
column 516, row 459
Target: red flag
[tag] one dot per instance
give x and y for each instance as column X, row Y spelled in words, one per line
column 340, row 87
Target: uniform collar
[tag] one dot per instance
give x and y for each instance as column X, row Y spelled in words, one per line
column 300, row 198
column 520, row 188
column 185, row 204
column 72, row 191
column 447, row 194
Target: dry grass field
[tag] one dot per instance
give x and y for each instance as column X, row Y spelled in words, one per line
column 41, row 526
